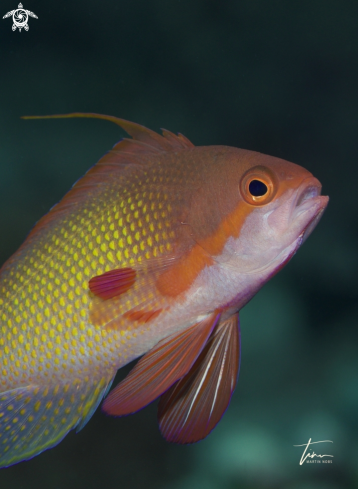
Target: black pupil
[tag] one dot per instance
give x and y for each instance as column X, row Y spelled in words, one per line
column 257, row 188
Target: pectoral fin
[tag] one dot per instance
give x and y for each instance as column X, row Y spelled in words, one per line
column 124, row 296
column 113, row 283
column 160, row 368
column 192, row 407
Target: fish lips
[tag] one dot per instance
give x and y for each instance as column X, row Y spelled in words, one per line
column 323, row 202
column 309, row 205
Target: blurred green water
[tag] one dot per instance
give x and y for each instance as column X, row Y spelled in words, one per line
column 277, row 77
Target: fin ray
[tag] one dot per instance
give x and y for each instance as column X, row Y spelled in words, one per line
column 113, row 283
column 167, row 362
column 193, row 406
column 167, row 142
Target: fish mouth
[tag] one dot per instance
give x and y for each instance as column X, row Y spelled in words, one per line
column 309, row 205
column 307, row 193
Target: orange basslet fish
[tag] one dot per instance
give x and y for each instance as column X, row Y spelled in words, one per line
column 153, row 252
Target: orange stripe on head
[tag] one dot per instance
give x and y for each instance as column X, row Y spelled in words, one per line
column 180, row 276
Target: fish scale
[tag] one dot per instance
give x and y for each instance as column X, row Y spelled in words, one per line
column 35, row 417
column 49, row 326
column 44, row 299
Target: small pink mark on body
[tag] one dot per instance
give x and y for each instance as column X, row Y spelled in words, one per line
column 307, row 454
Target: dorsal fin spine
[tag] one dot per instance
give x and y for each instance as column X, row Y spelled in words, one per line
column 138, row 132
column 129, row 153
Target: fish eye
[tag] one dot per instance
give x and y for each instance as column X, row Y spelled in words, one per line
column 257, row 188
column 258, row 185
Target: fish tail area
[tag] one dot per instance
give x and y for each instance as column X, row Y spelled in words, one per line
column 34, row 418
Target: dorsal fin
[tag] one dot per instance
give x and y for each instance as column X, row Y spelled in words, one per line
column 177, row 141
column 124, row 155
column 167, row 142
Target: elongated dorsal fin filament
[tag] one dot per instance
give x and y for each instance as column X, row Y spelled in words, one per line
column 137, row 131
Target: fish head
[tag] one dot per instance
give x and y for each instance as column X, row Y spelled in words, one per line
column 280, row 203
column 253, row 211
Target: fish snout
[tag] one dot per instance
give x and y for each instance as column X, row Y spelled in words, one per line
column 310, row 205
column 309, row 189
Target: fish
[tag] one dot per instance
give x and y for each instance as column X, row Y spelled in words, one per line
column 150, row 255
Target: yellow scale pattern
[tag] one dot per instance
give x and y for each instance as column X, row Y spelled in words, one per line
column 46, row 338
